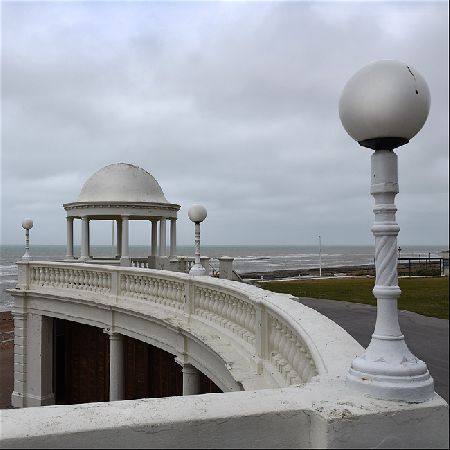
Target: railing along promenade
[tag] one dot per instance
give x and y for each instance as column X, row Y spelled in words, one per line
column 281, row 340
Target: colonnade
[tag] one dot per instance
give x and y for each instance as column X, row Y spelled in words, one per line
column 34, row 359
column 123, row 252
column 191, row 375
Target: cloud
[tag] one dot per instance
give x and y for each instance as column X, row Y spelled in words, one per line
column 229, row 104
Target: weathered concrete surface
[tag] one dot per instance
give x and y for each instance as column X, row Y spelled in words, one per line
column 317, row 415
column 427, row 337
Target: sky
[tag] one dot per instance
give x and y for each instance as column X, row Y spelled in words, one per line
column 233, row 105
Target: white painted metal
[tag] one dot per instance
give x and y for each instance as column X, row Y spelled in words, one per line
column 197, row 214
column 27, row 224
column 387, row 99
column 320, row 256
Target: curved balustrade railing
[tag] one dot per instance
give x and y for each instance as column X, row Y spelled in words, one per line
column 281, row 338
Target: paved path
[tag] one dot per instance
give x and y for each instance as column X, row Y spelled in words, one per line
column 426, row 337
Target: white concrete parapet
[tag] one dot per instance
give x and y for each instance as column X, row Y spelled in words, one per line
column 317, row 415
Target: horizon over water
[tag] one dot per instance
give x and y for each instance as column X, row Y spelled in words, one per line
column 248, row 258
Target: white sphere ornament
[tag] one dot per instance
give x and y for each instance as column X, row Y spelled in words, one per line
column 197, row 213
column 384, row 104
column 27, row 224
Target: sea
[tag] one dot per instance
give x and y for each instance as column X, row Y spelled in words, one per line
column 247, row 258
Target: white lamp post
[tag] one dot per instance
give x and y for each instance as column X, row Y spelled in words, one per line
column 27, row 224
column 197, row 214
column 382, row 107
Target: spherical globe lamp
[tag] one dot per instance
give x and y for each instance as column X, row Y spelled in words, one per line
column 27, row 224
column 197, row 213
column 384, row 105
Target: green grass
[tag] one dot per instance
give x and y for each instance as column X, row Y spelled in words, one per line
column 426, row 296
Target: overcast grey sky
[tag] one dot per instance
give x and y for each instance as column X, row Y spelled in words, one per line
column 230, row 104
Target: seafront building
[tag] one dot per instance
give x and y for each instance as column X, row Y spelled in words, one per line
column 145, row 338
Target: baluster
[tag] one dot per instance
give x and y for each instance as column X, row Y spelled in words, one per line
column 297, row 356
column 145, row 287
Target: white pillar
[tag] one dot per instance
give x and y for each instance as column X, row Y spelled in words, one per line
column 69, row 251
column 89, row 238
column 84, row 253
column 116, row 367
column 119, row 238
column 173, row 237
column 154, row 249
column 387, row 369
column 191, row 380
column 162, row 237
column 226, row 267
column 125, row 257
column 33, row 360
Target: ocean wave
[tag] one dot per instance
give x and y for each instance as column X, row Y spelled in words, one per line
column 9, row 281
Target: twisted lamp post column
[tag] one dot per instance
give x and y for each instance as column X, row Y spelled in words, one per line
column 382, row 107
column 197, row 214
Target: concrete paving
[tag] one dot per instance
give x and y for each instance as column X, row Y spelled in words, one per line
column 426, row 337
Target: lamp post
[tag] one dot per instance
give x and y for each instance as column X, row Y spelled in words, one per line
column 27, row 224
column 320, row 256
column 197, row 213
column 382, row 107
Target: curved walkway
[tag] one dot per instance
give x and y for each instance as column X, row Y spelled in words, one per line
column 426, row 337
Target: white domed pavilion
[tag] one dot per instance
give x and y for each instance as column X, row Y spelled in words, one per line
column 123, row 192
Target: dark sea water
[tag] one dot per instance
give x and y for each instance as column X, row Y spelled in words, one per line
column 247, row 258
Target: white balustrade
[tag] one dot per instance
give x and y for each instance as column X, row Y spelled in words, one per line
column 234, row 310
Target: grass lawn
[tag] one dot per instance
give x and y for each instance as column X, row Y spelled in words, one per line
column 427, row 296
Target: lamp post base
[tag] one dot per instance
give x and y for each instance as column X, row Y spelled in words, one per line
column 397, row 375
column 197, row 270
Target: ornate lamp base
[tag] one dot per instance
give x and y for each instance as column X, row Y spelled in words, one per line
column 389, row 371
column 197, row 270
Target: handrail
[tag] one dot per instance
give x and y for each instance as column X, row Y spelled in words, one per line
column 283, row 338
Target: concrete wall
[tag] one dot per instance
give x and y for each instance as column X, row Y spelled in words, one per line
column 317, row 415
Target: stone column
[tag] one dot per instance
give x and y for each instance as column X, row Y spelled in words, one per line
column 226, row 267
column 33, row 360
column 116, row 366
column 162, row 237
column 173, row 237
column 125, row 257
column 89, row 238
column 84, row 254
column 154, row 249
column 119, row 238
column 191, row 380
column 69, row 251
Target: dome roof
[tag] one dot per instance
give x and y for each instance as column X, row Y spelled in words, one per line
column 121, row 183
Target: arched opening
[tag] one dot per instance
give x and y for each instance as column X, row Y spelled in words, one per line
column 81, row 367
